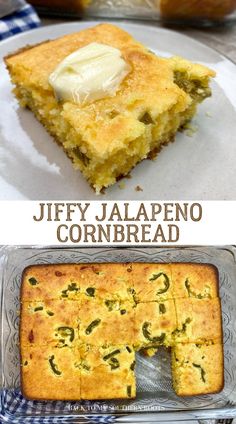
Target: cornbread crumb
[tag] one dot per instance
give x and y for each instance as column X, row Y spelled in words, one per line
column 150, row 352
column 138, row 188
column 122, row 185
column 190, row 129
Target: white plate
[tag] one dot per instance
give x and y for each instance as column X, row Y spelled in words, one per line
column 202, row 167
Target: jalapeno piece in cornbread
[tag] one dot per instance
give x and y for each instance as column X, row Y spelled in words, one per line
column 150, row 282
column 198, row 320
column 199, row 281
column 107, row 372
column 154, row 324
column 197, row 369
column 49, row 373
column 53, row 321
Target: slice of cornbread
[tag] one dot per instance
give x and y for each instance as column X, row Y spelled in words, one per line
column 194, row 280
column 150, row 282
column 106, row 138
column 107, row 373
column 53, row 322
column 198, row 320
column 197, row 369
column 50, row 373
column 154, row 324
column 101, row 325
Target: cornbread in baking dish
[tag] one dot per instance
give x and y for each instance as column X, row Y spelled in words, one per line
column 106, row 138
column 96, row 316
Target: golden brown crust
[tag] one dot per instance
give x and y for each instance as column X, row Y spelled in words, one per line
column 23, row 49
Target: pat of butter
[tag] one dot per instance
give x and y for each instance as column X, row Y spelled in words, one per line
column 88, row 74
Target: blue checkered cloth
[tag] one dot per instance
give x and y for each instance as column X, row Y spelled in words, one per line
column 23, row 19
column 15, row 409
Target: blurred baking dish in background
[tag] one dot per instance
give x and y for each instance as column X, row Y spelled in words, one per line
column 179, row 11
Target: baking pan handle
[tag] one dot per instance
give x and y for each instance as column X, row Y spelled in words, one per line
column 226, row 421
column 220, row 421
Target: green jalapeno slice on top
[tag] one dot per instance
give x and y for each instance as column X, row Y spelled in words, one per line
column 148, row 336
column 67, row 332
column 90, row 291
column 202, row 371
column 53, row 365
column 33, row 281
column 92, row 325
column 166, row 282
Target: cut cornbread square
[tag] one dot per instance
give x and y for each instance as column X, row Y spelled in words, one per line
column 106, row 138
column 154, row 324
column 197, row 369
column 198, row 320
column 50, row 373
column 53, row 321
column 41, row 282
column 150, row 282
column 194, row 280
column 107, row 373
column 108, row 281
column 102, row 325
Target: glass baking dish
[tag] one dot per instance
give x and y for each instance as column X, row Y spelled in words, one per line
column 156, row 400
column 198, row 12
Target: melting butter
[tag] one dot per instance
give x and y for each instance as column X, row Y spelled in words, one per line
column 89, row 73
